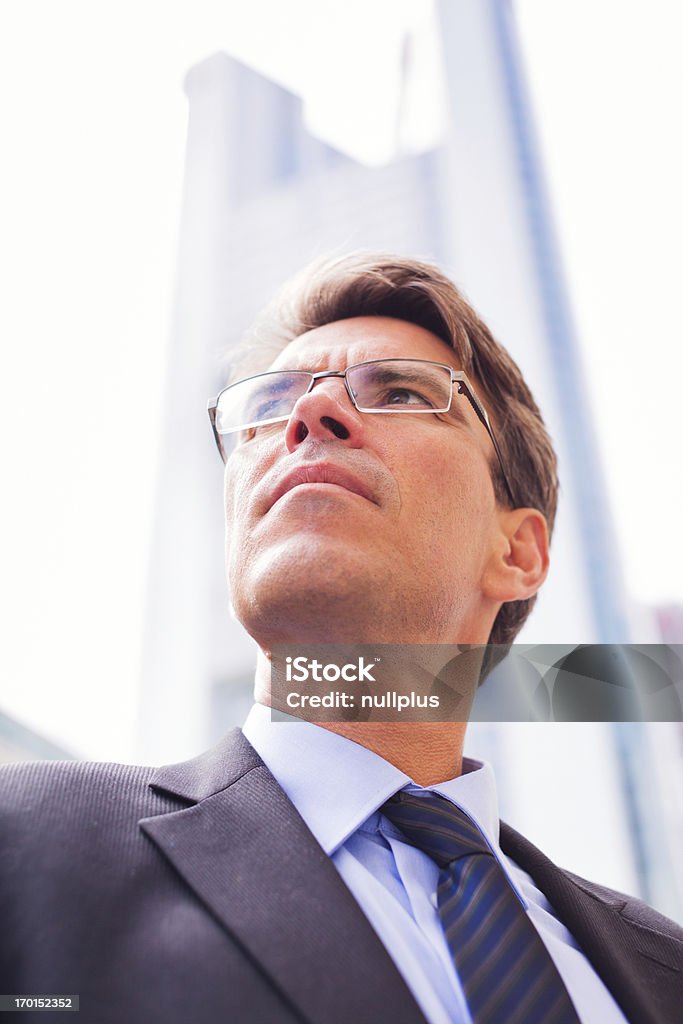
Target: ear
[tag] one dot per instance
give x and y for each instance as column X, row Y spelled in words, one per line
column 519, row 561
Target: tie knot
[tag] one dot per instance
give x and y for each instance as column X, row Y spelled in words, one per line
column 435, row 825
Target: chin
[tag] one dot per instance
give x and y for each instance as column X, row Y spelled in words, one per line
column 313, row 591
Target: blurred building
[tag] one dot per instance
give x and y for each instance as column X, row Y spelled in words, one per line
column 19, row 743
column 262, row 197
column 669, row 623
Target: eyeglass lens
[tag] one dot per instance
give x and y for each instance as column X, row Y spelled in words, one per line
column 381, row 386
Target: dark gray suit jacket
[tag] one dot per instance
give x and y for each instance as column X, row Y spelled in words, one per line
column 195, row 893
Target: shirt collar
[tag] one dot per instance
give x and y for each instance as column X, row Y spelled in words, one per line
column 336, row 784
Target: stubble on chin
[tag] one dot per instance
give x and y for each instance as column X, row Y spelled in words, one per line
column 318, row 593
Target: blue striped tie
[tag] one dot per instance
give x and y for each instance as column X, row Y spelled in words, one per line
column 507, row 974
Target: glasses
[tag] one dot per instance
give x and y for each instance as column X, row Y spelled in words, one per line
column 379, row 387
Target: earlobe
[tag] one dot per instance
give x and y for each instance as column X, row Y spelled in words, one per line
column 519, row 562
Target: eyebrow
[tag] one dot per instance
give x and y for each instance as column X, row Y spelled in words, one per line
column 384, row 375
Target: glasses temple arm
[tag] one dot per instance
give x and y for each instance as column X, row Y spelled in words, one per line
column 481, row 414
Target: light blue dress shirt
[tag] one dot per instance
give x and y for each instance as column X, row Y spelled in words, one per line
column 337, row 787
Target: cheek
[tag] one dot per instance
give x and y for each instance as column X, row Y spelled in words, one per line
column 229, row 493
column 447, row 497
column 237, row 486
column 243, row 481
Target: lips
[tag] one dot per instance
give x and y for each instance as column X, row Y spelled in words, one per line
column 320, row 473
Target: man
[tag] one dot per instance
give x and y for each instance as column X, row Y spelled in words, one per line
column 391, row 483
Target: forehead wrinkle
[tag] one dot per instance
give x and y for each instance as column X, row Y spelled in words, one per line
column 342, row 353
column 329, row 353
column 312, row 360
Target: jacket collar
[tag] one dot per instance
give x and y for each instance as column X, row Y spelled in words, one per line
column 209, row 773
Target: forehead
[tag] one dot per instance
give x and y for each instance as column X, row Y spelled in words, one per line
column 345, row 342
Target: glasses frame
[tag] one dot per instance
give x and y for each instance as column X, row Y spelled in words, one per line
column 457, row 377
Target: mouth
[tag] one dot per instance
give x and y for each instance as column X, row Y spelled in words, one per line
column 322, row 474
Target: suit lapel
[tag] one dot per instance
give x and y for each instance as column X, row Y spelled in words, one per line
column 250, row 858
column 642, row 967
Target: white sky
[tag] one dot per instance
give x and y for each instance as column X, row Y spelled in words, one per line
column 93, row 131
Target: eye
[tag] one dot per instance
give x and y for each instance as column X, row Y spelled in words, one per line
column 267, row 403
column 271, row 396
column 405, row 396
column 271, row 407
column 401, row 385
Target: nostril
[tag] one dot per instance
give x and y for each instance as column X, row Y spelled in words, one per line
column 337, row 428
column 301, row 432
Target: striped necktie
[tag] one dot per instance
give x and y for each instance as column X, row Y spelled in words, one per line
column 507, row 974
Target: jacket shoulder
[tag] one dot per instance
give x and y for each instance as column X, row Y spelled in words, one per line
column 560, row 886
column 631, row 908
column 47, row 793
column 43, row 777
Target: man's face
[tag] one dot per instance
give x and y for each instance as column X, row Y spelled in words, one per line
column 346, row 527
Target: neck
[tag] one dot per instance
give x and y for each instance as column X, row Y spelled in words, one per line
column 428, row 752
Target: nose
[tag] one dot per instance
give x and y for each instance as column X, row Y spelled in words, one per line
column 326, row 412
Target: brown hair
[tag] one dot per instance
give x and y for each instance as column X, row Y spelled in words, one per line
column 380, row 284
